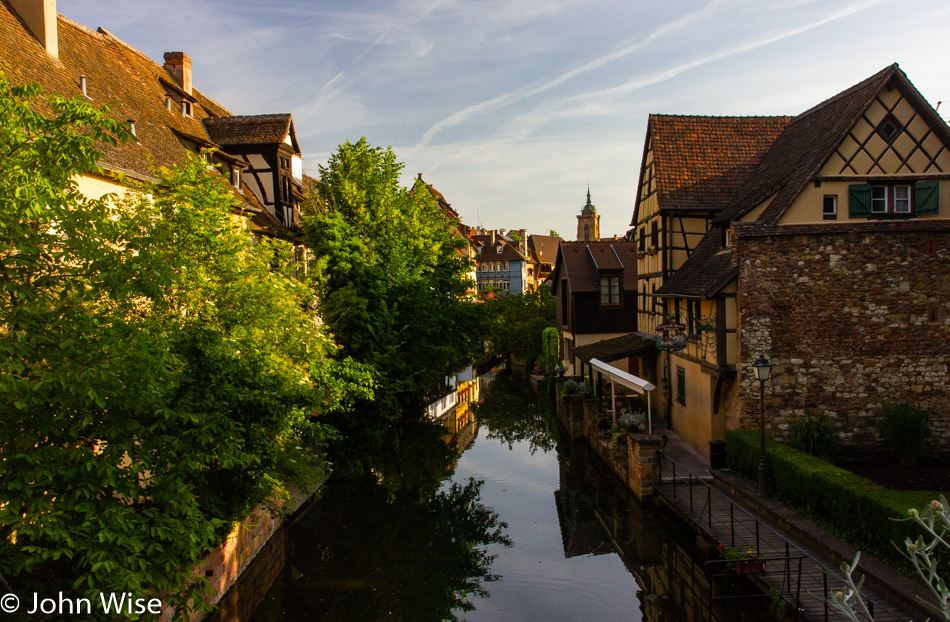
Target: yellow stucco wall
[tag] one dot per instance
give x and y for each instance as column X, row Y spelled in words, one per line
column 694, row 421
column 807, row 208
column 94, row 186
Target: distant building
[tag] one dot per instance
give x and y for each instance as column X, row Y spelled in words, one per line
column 542, row 254
column 502, row 264
column 588, row 222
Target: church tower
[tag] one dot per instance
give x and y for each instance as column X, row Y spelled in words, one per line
column 588, row 222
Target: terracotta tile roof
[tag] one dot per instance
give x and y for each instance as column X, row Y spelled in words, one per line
column 117, row 75
column 704, row 273
column 615, row 349
column 579, row 262
column 133, row 86
column 790, row 163
column 508, row 252
column 702, row 162
column 259, row 129
column 545, row 247
column 808, row 141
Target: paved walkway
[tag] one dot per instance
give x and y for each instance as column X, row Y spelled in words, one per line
column 802, row 560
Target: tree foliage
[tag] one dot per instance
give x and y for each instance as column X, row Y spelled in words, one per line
column 159, row 372
column 392, row 286
column 515, row 323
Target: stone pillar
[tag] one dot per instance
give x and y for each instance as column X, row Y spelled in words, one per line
column 643, row 466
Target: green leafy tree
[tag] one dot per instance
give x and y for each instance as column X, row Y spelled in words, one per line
column 392, row 288
column 158, row 376
column 515, row 324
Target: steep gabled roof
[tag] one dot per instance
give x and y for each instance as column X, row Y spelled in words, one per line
column 702, row 162
column 799, row 153
column 544, row 247
column 508, row 252
column 259, row 129
column 580, row 262
column 795, row 157
column 117, row 75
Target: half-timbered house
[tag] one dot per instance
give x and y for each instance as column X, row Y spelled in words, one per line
column 820, row 241
column 274, row 171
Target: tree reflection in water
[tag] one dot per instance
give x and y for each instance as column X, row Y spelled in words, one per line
column 393, row 545
column 512, row 413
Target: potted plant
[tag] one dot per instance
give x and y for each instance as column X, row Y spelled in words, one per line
column 631, row 422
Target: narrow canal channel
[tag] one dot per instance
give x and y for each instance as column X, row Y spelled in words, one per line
column 526, row 526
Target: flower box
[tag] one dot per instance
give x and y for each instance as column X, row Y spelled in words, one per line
column 750, row 566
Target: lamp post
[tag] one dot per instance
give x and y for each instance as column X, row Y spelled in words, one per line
column 763, row 368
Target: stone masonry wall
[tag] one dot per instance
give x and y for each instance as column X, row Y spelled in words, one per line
column 849, row 320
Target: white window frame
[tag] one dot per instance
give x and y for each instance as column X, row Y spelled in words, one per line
column 902, row 205
column 834, row 205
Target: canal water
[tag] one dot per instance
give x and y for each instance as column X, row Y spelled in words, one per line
column 525, row 525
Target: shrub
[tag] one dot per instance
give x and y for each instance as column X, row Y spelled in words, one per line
column 906, row 429
column 853, row 507
column 814, row 436
column 575, row 387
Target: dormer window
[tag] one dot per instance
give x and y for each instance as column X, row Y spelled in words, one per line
column 498, row 249
column 168, row 103
column 236, row 177
column 609, row 290
column 186, row 107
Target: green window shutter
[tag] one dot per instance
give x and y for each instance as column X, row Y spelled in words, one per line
column 926, row 197
column 859, row 200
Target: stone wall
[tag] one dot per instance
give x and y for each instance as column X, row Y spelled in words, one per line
column 230, row 559
column 849, row 319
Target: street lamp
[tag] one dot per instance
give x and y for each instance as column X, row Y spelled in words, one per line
column 763, row 368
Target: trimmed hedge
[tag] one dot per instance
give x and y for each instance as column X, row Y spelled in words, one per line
column 855, row 508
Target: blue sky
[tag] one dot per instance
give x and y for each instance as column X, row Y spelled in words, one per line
column 510, row 108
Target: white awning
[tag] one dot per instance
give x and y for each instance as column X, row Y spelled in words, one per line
column 618, row 376
column 622, row 378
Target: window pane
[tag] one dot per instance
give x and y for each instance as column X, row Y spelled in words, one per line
column 830, row 206
column 902, row 199
column 879, row 199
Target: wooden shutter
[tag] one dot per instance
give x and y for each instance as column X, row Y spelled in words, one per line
column 926, row 197
column 859, row 200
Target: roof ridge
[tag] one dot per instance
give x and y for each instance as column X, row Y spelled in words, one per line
column 715, row 116
column 848, row 91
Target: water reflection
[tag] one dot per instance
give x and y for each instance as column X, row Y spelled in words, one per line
column 423, row 537
column 362, row 553
column 511, row 414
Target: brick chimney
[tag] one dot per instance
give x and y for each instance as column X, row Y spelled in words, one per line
column 178, row 65
column 40, row 17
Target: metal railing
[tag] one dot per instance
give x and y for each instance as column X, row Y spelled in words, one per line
column 724, row 520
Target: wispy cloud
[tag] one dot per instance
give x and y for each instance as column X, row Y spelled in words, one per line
column 506, row 99
column 603, row 101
